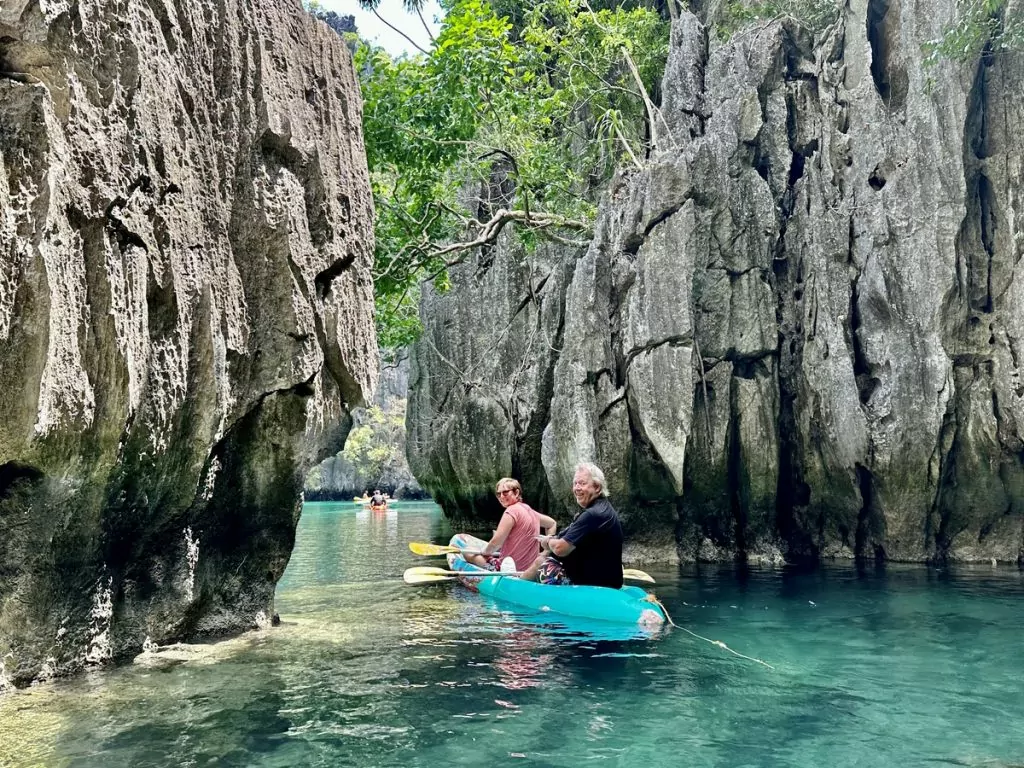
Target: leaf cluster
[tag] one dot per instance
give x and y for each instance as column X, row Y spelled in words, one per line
column 529, row 114
column 981, row 27
column 814, row 15
column 375, row 447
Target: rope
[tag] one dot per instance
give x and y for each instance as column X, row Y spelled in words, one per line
column 718, row 643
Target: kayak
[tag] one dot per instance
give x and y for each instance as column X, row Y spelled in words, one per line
column 628, row 605
column 380, row 508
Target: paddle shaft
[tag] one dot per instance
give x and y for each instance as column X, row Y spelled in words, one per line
column 434, row 550
column 428, row 575
column 470, row 574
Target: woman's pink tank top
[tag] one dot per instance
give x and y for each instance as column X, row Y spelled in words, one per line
column 521, row 544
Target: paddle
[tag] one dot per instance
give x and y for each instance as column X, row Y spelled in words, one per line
column 634, row 575
column 425, row 575
column 430, row 550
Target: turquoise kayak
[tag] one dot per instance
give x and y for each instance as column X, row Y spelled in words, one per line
column 628, row 605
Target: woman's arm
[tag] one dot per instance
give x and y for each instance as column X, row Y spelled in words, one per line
column 548, row 525
column 500, row 534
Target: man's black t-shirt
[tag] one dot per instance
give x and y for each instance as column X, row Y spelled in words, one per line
column 597, row 536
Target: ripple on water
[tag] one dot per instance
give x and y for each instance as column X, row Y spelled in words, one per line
column 898, row 667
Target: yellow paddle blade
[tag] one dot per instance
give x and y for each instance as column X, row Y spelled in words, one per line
column 428, row 570
column 634, row 575
column 421, row 548
column 425, row 578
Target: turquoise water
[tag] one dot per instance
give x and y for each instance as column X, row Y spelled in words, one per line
column 901, row 667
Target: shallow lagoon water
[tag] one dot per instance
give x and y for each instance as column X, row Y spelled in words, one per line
column 901, row 666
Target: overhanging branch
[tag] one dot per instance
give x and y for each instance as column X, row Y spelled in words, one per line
column 489, row 230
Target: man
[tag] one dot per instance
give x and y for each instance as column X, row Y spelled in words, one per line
column 590, row 549
column 516, row 534
column 378, row 499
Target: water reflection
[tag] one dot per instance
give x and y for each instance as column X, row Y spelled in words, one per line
column 523, row 660
column 893, row 667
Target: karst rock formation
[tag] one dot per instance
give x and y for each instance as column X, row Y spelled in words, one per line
column 797, row 333
column 185, row 313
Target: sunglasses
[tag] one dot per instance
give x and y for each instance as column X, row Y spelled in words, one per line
column 499, row 494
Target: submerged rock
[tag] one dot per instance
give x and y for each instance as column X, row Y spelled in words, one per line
column 796, row 331
column 185, row 313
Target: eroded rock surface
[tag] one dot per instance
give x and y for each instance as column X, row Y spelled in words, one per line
column 185, row 313
column 480, row 384
column 796, row 333
column 339, row 478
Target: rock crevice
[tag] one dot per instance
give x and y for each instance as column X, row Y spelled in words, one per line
column 831, row 245
column 185, row 313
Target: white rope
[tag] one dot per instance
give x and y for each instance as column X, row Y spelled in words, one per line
column 718, row 643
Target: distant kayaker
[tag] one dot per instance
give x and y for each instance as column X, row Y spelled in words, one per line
column 589, row 551
column 517, row 531
column 378, row 499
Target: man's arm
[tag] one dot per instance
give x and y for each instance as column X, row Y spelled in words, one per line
column 556, row 546
column 580, row 527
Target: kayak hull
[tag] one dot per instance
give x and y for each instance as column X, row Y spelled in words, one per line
column 628, row 605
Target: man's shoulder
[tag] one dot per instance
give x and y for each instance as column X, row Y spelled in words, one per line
column 602, row 507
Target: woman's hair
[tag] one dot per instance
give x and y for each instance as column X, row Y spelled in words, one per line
column 596, row 475
column 509, row 483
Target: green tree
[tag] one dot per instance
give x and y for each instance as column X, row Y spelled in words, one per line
column 982, row 27
column 500, row 124
column 375, row 448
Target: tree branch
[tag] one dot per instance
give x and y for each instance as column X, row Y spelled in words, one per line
column 396, row 29
column 490, row 229
column 425, row 25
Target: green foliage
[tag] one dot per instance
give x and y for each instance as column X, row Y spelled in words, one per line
column 375, row 447
column 531, row 115
column 980, row 26
column 815, row 15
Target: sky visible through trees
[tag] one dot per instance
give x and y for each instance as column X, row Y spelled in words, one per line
column 373, row 29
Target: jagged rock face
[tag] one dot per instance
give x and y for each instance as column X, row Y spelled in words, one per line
column 185, row 313
column 795, row 333
column 480, row 384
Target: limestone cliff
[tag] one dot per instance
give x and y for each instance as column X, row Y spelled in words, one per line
column 796, row 333
column 185, row 313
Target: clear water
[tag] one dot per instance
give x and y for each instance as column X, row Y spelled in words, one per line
column 902, row 667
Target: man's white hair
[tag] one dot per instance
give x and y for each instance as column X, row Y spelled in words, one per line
column 596, row 475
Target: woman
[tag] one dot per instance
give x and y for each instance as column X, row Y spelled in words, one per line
column 516, row 534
